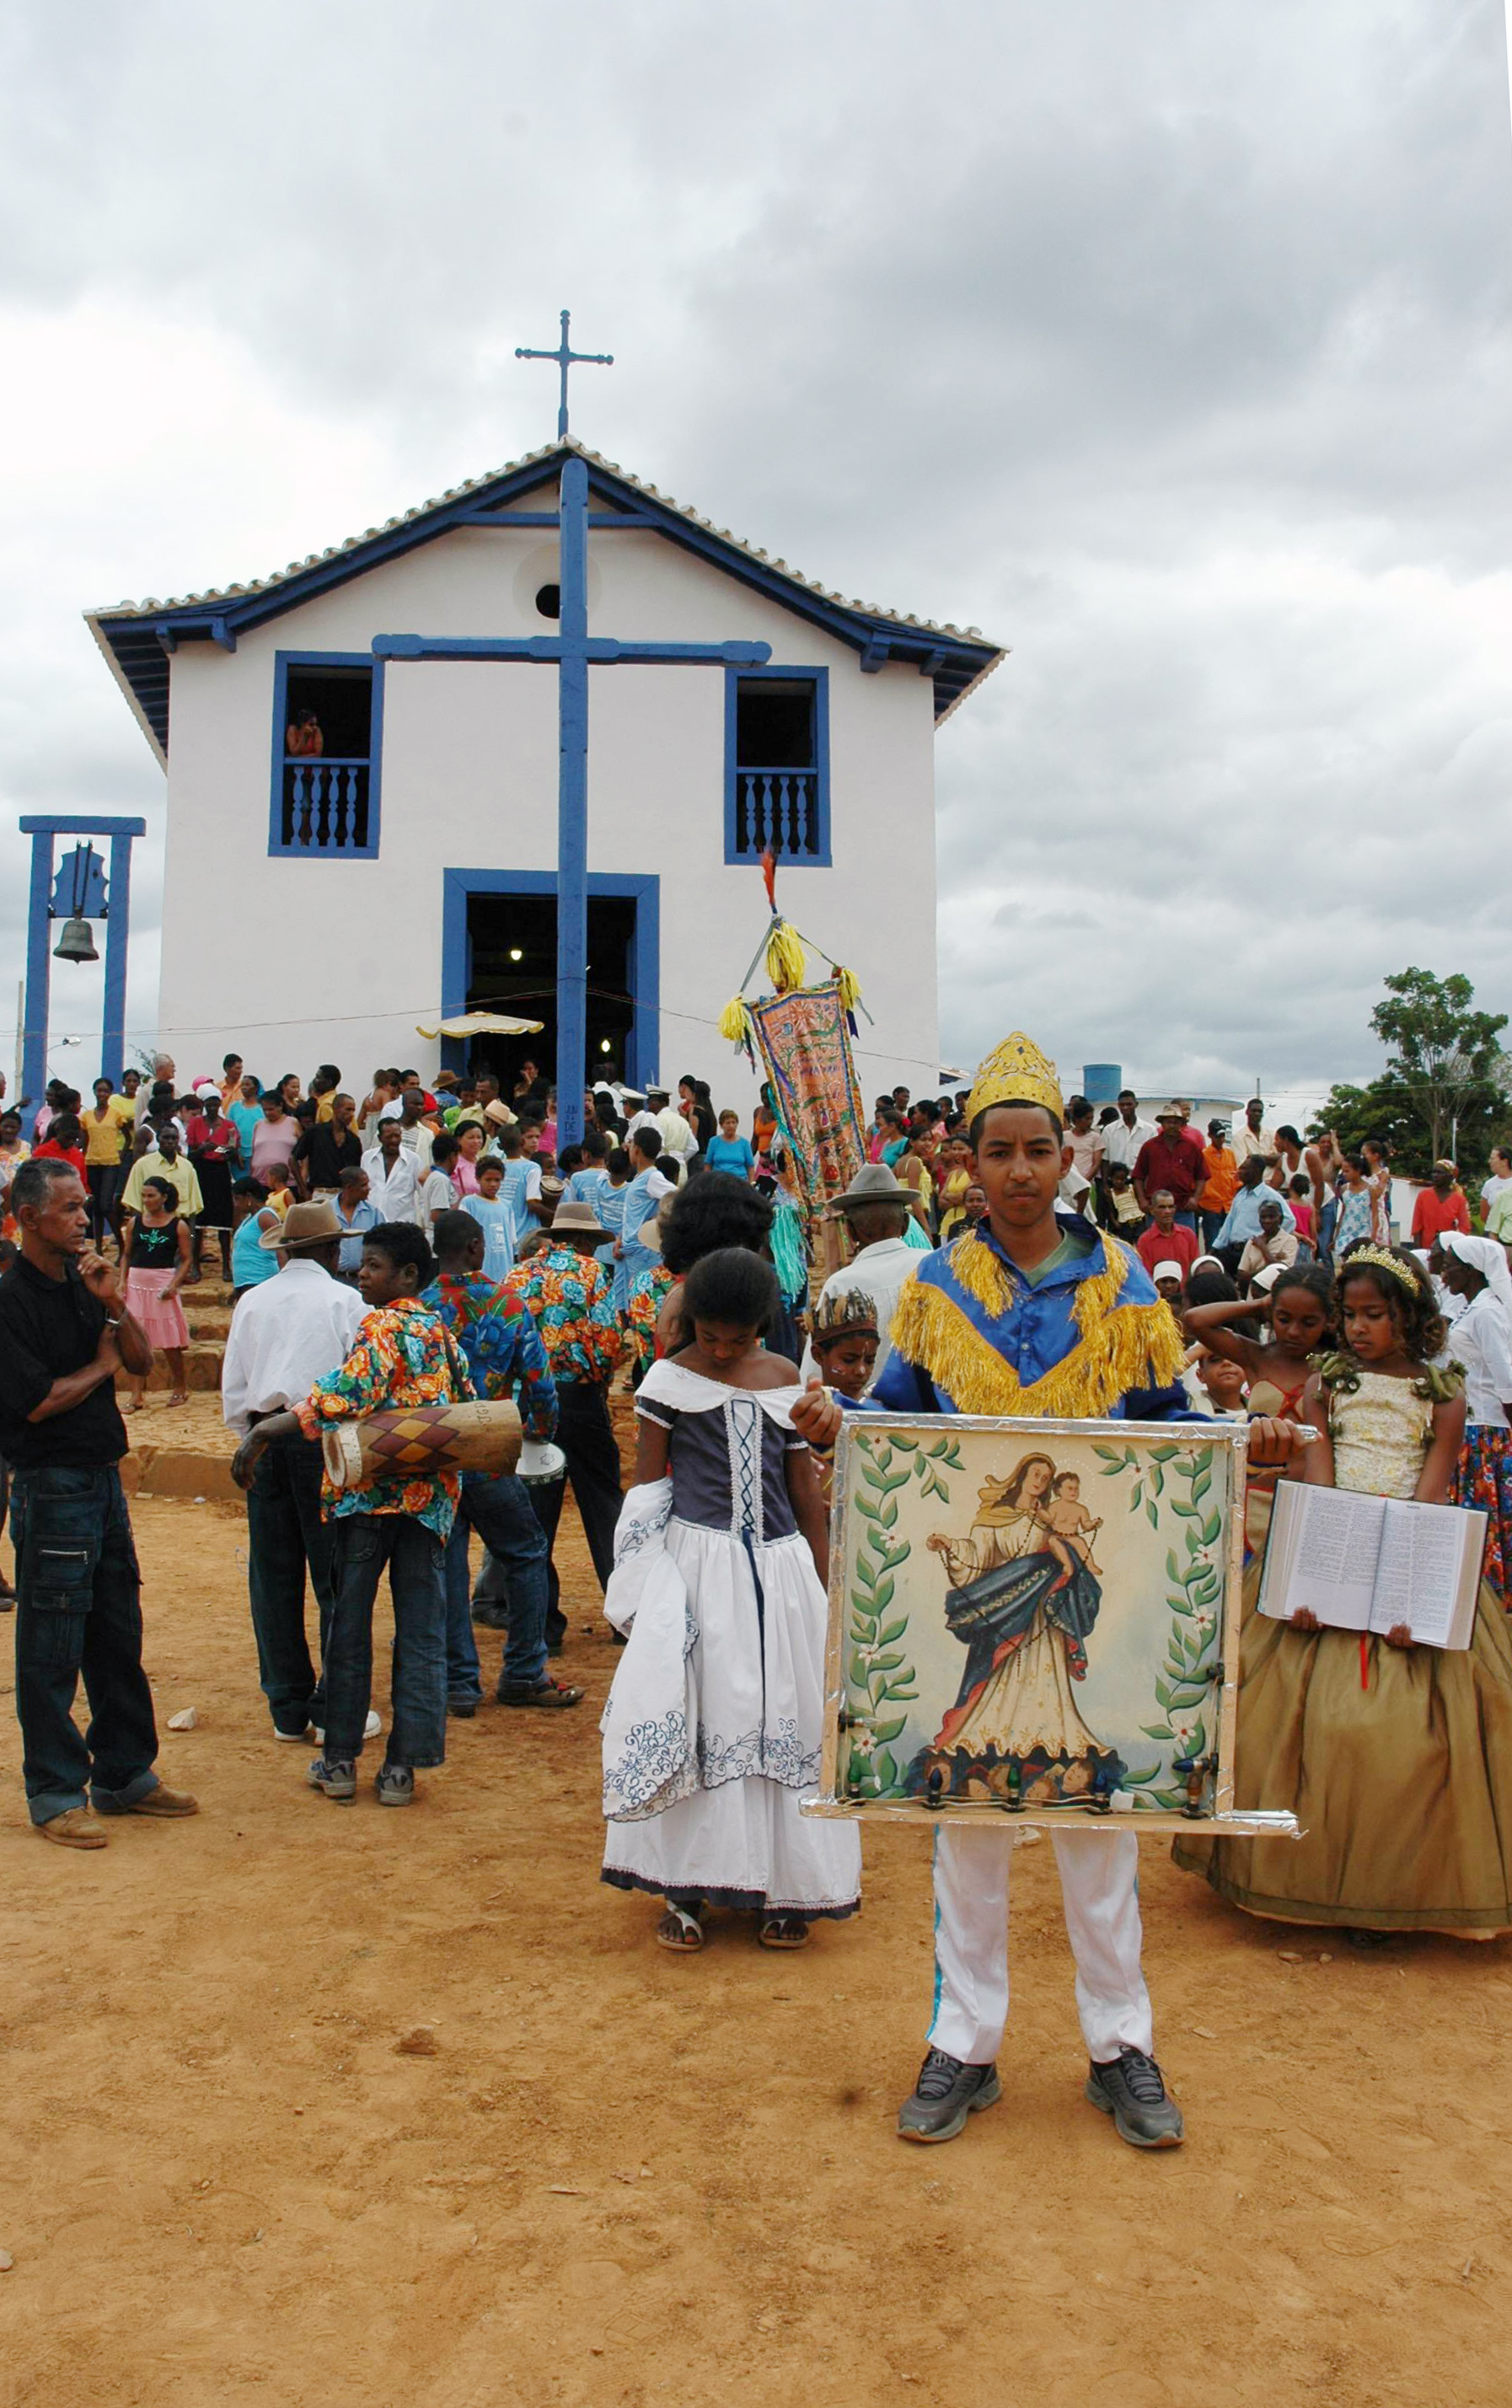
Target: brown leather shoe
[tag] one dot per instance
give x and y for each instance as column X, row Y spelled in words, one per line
column 75, row 1828
column 167, row 1804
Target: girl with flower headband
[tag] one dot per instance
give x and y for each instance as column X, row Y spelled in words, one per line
column 1395, row 1758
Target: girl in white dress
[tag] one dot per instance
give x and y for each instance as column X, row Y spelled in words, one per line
column 713, row 1725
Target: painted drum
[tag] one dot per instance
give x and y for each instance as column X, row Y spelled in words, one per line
column 411, row 1440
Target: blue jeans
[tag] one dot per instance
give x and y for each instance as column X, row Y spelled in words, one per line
column 366, row 1545
column 285, row 1539
column 78, row 1610
column 501, row 1513
column 1211, row 1223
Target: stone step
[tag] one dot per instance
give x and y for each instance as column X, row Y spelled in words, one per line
column 179, row 1450
column 202, row 1368
column 151, row 1470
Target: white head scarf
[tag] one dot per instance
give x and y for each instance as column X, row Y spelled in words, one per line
column 1483, row 1254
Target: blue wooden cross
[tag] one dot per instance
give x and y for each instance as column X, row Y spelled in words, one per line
column 573, row 650
column 565, row 357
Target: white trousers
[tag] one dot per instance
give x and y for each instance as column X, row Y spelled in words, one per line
column 1099, row 1889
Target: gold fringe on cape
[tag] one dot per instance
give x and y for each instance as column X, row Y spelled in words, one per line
column 1119, row 1347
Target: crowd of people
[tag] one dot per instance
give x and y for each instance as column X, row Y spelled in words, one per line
column 433, row 1244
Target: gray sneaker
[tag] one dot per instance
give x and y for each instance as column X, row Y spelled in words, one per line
column 395, row 1785
column 945, row 2094
column 338, row 1781
column 1133, row 2091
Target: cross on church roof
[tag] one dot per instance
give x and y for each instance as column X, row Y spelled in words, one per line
column 565, row 358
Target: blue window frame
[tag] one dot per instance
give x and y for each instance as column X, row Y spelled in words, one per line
column 776, row 765
column 325, row 807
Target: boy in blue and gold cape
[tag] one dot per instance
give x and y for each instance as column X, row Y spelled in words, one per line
column 1034, row 1315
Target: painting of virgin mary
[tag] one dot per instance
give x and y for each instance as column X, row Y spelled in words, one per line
column 1022, row 1602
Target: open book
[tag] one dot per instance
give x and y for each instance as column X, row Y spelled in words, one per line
column 1368, row 1563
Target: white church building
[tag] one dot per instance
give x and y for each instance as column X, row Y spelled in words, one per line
column 321, row 906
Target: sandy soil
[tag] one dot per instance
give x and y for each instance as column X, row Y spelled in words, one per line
column 621, row 2177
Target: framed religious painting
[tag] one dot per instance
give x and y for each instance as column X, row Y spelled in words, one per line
column 1035, row 1618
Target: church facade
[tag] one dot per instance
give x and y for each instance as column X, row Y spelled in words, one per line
column 362, row 833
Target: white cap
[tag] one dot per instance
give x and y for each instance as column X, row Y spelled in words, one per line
column 1167, row 1270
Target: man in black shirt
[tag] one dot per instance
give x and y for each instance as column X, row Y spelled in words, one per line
column 326, row 1151
column 64, row 1332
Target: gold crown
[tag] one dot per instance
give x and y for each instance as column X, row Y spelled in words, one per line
column 1383, row 1259
column 1015, row 1072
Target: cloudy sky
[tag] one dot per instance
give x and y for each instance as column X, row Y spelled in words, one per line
column 1169, row 344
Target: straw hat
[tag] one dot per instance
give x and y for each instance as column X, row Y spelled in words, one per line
column 304, row 1225
column 577, row 1219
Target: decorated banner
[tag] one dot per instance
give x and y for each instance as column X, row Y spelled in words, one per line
column 806, row 1045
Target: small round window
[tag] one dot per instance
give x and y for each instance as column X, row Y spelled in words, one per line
column 549, row 601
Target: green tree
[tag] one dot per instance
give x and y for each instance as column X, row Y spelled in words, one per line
column 1383, row 1109
column 1445, row 1054
column 1446, row 1079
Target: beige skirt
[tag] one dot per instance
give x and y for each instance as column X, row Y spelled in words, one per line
column 1397, row 1764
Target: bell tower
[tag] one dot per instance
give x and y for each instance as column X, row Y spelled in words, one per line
column 82, row 893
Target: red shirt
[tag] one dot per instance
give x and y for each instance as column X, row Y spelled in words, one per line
column 1174, row 1162
column 72, row 1154
column 1434, row 1213
column 1167, row 1246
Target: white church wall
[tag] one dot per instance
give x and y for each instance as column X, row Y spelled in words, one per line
column 291, row 961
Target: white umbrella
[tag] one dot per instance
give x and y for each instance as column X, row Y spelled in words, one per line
column 483, row 1024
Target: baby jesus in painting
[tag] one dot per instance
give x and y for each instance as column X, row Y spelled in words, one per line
column 1069, row 1521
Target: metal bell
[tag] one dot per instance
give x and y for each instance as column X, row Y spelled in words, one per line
column 77, row 943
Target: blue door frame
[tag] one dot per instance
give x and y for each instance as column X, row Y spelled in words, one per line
column 642, row 1046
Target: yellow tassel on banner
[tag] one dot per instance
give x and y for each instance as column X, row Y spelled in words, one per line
column 849, row 985
column 786, row 960
column 732, row 1020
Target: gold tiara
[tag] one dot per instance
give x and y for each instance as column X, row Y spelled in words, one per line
column 1380, row 1258
column 1015, row 1072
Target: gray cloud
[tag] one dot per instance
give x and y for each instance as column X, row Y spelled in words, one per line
column 1171, row 346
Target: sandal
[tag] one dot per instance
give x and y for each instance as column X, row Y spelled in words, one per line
column 783, row 1932
column 679, row 1932
column 180, row 1396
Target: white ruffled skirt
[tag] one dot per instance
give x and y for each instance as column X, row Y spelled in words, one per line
column 713, row 1725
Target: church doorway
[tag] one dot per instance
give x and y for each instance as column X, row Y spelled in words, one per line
column 499, row 954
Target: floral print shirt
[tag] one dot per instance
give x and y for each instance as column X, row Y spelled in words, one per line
column 572, row 1297
column 500, row 1341
column 402, row 1355
column 646, row 1297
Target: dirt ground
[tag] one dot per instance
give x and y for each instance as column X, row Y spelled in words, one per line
column 625, row 2178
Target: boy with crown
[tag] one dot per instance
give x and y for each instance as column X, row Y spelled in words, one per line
column 1032, row 1315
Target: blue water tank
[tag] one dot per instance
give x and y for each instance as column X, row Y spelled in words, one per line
column 1101, row 1082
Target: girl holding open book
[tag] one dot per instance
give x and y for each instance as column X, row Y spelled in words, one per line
column 1395, row 1758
